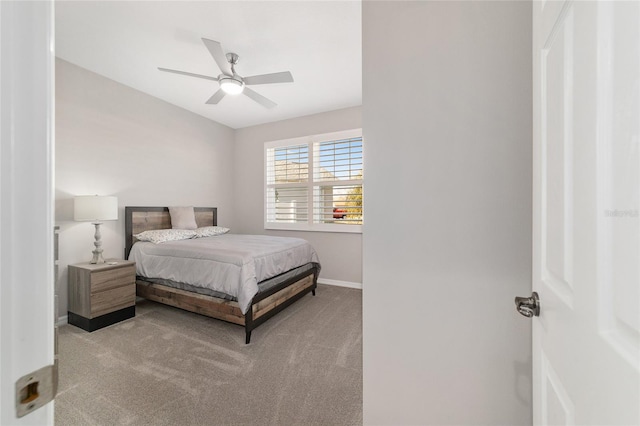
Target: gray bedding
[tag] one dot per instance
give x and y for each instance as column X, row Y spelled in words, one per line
column 229, row 264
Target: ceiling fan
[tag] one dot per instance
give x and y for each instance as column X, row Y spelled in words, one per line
column 232, row 83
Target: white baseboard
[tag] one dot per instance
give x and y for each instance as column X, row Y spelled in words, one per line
column 339, row 283
column 63, row 320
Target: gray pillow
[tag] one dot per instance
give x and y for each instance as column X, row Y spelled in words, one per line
column 183, row 218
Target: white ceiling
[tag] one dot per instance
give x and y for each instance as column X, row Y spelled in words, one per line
column 318, row 41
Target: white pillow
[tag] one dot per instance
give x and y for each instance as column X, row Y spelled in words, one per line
column 210, row 231
column 183, row 218
column 157, row 236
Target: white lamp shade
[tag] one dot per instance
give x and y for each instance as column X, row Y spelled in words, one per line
column 94, row 207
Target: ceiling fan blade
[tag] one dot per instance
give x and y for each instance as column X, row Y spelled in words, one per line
column 276, row 77
column 217, row 97
column 215, row 48
column 190, row 74
column 259, row 98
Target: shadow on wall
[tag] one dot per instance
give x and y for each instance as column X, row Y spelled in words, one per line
column 63, row 207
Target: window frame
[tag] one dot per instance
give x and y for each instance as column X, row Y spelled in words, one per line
column 310, row 184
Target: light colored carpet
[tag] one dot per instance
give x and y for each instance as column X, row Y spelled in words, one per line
column 171, row 367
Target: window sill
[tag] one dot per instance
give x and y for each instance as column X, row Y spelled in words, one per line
column 325, row 227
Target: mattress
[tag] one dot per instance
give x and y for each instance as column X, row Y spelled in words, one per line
column 232, row 264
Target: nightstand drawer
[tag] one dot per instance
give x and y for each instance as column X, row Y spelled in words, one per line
column 112, row 300
column 113, row 278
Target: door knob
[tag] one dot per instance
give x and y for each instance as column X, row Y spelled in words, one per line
column 528, row 306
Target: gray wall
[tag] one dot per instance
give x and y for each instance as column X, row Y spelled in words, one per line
column 454, row 150
column 113, row 140
column 340, row 254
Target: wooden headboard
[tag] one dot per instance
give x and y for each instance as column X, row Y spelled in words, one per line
column 139, row 219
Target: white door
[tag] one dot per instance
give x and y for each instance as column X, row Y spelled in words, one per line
column 26, row 208
column 586, row 259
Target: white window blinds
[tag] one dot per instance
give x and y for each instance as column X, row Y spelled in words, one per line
column 287, row 178
column 337, row 176
column 315, row 185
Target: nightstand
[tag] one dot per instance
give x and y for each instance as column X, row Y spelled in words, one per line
column 101, row 294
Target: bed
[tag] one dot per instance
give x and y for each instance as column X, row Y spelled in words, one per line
column 273, row 294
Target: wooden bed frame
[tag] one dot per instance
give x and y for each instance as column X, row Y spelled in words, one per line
column 264, row 305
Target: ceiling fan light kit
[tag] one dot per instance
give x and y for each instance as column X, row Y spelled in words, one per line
column 232, row 83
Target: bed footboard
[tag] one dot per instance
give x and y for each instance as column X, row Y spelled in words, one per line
column 264, row 305
column 214, row 307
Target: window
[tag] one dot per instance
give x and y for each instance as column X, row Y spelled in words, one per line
column 315, row 183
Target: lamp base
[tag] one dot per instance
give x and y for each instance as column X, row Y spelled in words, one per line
column 97, row 257
column 97, row 253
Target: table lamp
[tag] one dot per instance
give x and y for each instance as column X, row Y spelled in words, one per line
column 95, row 208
